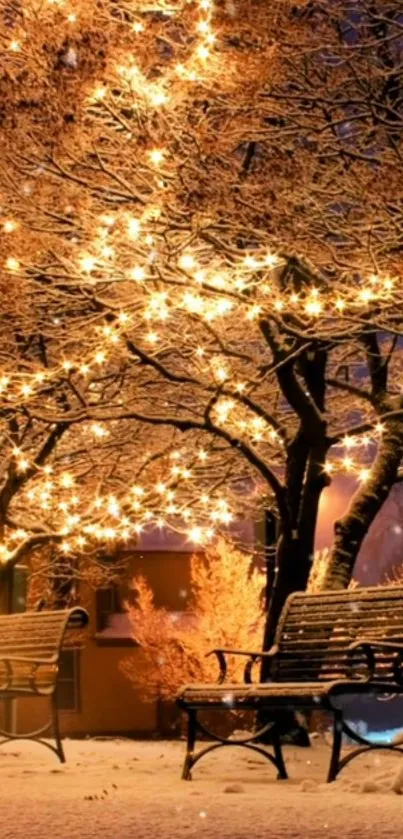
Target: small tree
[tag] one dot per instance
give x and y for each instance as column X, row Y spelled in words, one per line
column 175, row 646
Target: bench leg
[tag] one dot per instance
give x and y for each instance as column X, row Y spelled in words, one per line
column 278, row 754
column 56, row 728
column 336, row 747
column 247, row 742
column 191, row 740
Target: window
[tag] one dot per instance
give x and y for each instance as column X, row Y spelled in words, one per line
column 108, row 603
column 113, row 627
column 19, row 589
column 168, row 575
column 68, row 682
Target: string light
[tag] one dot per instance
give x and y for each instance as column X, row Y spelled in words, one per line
column 223, row 283
column 156, row 156
column 138, row 273
column 313, row 307
column 9, row 226
column 99, row 93
column 187, row 262
column 87, row 263
column 12, row 264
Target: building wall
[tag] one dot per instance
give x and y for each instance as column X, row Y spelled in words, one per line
column 107, row 702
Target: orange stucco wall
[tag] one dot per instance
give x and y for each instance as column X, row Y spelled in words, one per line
column 109, row 703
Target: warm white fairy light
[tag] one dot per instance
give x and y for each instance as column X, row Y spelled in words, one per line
column 99, row 93
column 366, row 295
column 134, row 227
column 313, row 307
column 67, row 480
column 98, row 430
column 87, row 263
column 246, row 284
column 12, row 264
column 349, row 442
column 196, row 534
column 187, row 262
column 157, row 98
column 137, row 273
column 9, row 226
column 156, row 156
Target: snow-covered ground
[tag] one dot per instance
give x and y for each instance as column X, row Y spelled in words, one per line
column 126, row 788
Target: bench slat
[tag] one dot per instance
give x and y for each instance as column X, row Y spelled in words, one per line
column 322, row 619
column 315, row 631
column 343, row 599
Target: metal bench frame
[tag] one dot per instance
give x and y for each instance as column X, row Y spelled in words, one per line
column 31, row 662
column 362, row 661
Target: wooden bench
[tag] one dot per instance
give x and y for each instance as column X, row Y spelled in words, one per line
column 327, row 645
column 30, row 649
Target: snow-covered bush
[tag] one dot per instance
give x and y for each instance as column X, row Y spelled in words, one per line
column 224, row 609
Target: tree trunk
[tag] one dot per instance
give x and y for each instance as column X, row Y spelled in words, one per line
column 270, row 541
column 366, row 503
column 292, row 571
column 293, row 566
column 305, row 480
column 295, row 550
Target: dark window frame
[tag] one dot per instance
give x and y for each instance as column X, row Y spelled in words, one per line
column 107, row 602
column 73, row 680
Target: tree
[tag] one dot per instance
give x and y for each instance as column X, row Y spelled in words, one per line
column 174, row 645
column 218, row 206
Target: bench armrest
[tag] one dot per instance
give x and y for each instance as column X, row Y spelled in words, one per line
column 8, row 662
column 364, row 648
column 388, row 646
column 252, row 655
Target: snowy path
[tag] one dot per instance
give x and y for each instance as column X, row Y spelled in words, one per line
column 123, row 789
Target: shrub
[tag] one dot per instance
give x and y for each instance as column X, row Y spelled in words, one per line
column 224, row 609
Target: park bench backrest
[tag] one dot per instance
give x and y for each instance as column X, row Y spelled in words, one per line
column 37, row 634
column 315, row 631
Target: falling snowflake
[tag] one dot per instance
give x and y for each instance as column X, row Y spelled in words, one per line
column 69, row 58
